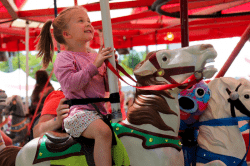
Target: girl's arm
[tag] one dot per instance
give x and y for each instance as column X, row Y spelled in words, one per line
column 68, row 76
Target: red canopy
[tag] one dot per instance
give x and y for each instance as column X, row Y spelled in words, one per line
column 142, row 27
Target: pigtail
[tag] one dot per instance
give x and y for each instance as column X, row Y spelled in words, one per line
column 45, row 44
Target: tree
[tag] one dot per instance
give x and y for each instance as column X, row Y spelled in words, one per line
column 34, row 65
column 129, row 61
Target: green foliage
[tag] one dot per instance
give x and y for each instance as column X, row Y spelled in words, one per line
column 34, row 65
column 129, row 61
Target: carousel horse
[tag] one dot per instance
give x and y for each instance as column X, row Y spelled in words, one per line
column 19, row 124
column 222, row 144
column 150, row 131
column 192, row 101
column 7, row 153
column 3, row 98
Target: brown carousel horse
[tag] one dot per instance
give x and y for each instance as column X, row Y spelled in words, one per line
column 19, row 125
column 3, row 98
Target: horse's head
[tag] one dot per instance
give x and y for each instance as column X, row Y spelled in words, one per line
column 193, row 102
column 175, row 66
column 11, row 105
column 3, row 98
column 239, row 97
column 230, row 97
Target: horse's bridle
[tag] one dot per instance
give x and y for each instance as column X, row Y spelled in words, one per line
column 236, row 103
column 167, row 73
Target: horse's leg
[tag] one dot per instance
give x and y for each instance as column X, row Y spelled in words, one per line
column 212, row 163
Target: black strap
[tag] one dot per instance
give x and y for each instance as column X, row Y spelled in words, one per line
column 240, row 106
column 114, row 98
column 232, row 107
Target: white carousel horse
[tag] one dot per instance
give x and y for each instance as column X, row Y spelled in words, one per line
column 19, row 123
column 150, row 132
column 154, row 114
column 224, row 142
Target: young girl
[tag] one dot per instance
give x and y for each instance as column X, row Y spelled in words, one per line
column 81, row 75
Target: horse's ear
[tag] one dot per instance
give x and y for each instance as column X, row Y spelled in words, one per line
column 145, row 67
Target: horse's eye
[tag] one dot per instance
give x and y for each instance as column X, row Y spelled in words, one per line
column 199, row 92
column 164, row 59
column 247, row 96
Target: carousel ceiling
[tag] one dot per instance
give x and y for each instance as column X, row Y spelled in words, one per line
column 133, row 21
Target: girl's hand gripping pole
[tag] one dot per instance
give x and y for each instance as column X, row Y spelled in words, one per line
column 112, row 79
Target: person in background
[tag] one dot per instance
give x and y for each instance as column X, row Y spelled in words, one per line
column 52, row 114
column 41, row 77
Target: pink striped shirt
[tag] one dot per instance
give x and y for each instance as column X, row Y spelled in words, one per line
column 79, row 78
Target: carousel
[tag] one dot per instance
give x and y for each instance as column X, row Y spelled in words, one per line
column 180, row 116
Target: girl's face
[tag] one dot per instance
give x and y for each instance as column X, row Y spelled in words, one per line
column 79, row 26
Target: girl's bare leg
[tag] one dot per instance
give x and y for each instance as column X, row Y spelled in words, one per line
column 102, row 134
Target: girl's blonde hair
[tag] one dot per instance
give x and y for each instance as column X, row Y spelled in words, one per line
column 45, row 44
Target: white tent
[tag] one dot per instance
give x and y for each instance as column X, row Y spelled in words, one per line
column 14, row 83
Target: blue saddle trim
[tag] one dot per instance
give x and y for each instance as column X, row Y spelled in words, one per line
column 221, row 122
column 245, row 127
column 204, row 156
column 227, row 122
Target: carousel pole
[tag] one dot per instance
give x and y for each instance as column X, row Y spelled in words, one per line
column 244, row 38
column 112, row 79
column 75, row 3
column 55, row 11
column 184, row 23
column 27, row 65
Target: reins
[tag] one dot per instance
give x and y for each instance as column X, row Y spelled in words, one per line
column 190, row 81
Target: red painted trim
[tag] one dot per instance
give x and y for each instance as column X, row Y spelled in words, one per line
column 90, row 7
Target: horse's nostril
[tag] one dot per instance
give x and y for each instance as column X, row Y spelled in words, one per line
column 206, row 46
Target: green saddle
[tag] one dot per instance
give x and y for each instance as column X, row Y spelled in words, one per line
column 67, row 151
column 149, row 139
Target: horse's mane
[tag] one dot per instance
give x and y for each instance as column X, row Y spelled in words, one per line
column 218, row 107
column 20, row 102
column 148, row 103
column 8, row 155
